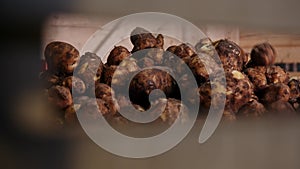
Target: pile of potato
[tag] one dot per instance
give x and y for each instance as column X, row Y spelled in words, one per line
column 254, row 85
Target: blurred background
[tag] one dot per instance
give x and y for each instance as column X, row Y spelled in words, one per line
column 27, row 141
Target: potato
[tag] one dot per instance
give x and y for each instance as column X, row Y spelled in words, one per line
column 61, row 57
column 231, row 55
column 117, row 55
column 143, row 39
column 263, row 55
column 148, row 80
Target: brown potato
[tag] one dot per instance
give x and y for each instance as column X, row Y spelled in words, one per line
column 257, row 77
column 205, row 46
column 143, row 39
column 117, row 55
column 182, row 51
column 89, row 69
column 276, row 74
column 295, row 90
column 171, row 112
column 178, row 62
column 274, row 92
column 203, row 68
column 149, row 57
column 146, row 81
column 75, row 85
column 231, row 55
column 60, row 96
column 103, row 91
column 121, row 73
column 61, row 57
column 263, row 55
column 107, row 74
column 239, row 91
column 93, row 108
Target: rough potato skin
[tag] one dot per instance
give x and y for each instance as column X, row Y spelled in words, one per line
column 107, row 96
column 275, row 92
column 107, row 106
column 93, row 108
column 143, row 39
column 149, row 57
column 146, row 62
column 179, row 57
column 171, row 112
column 61, row 57
column 205, row 46
column 117, row 55
column 239, row 91
column 90, row 69
column 231, row 55
column 156, row 55
column 146, row 81
column 60, row 96
column 263, row 55
column 159, row 41
column 257, row 77
column 205, row 93
column 103, row 91
column 178, row 63
column 125, row 102
column 183, row 50
column 187, row 91
column 77, row 83
column 275, row 74
column 294, row 90
column 199, row 70
column 203, row 68
column 108, row 73
column 124, row 71
column 118, row 75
